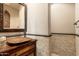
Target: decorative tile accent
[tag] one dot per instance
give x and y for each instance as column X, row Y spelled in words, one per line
column 77, row 46
column 42, row 45
column 63, row 45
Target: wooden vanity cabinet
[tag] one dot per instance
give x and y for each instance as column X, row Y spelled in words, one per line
column 26, row 49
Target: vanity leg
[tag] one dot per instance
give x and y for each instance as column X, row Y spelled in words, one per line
column 35, row 51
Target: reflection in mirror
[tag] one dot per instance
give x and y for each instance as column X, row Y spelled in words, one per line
column 6, row 20
column 13, row 16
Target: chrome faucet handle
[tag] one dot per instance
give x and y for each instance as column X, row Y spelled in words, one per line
column 76, row 22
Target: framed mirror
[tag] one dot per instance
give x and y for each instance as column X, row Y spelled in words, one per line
column 12, row 17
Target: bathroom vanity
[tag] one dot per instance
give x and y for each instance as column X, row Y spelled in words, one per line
column 13, row 18
column 24, row 49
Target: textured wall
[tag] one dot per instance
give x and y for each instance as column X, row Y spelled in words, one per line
column 42, row 45
column 63, row 45
column 11, row 33
column 77, row 45
column 37, row 20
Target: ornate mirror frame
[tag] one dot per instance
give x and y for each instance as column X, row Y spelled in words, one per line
column 12, row 30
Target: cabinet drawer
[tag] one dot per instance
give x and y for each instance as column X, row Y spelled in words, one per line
column 23, row 50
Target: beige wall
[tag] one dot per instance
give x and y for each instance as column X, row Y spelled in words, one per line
column 37, row 23
column 77, row 18
column 37, row 18
column 16, row 16
column 62, row 18
column 22, row 17
column 77, row 28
